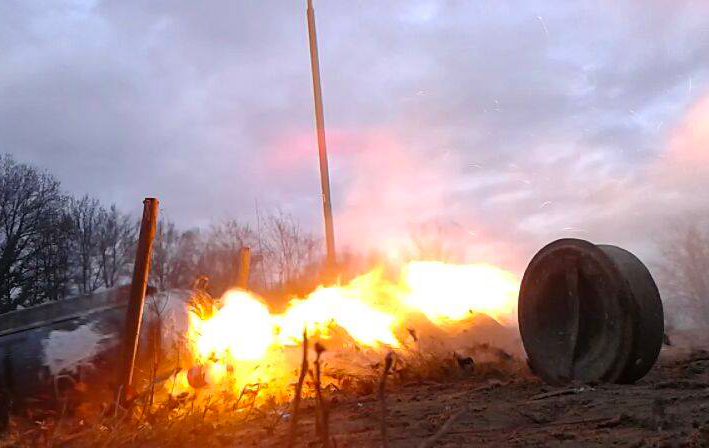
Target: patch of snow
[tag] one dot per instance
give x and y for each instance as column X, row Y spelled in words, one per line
column 67, row 351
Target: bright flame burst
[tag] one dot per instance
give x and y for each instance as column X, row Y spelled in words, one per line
column 243, row 343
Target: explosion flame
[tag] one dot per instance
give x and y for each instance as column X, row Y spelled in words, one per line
column 241, row 343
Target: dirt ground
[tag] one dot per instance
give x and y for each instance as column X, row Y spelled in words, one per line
column 669, row 407
column 490, row 406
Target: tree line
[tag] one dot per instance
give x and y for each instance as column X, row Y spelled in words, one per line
column 54, row 245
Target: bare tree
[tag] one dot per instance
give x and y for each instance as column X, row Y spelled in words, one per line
column 282, row 254
column 84, row 214
column 48, row 273
column 164, row 257
column 116, row 234
column 52, row 245
column 177, row 256
column 220, row 257
column 684, row 270
column 288, row 249
column 28, row 197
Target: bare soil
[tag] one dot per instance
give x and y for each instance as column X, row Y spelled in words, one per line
column 490, row 407
column 669, row 407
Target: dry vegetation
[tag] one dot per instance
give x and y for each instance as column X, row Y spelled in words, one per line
column 496, row 404
column 86, row 417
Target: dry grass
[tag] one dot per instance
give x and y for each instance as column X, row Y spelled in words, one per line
column 160, row 419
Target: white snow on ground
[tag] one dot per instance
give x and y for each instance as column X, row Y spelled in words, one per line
column 66, row 351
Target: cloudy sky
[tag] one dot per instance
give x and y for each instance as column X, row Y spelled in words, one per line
column 500, row 124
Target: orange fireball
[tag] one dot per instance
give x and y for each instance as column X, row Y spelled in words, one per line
column 242, row 343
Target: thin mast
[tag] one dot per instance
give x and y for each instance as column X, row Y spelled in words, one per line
column 322, row 149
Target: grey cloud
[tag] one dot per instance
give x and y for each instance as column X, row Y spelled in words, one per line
column 540, row 119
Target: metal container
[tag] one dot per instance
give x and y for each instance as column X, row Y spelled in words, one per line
column 589, row 313
column 49, row 348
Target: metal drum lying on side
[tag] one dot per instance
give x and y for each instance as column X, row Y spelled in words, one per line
column 50, row 348
column 589, row 313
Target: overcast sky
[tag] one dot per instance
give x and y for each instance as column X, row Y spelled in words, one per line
column 505, row 124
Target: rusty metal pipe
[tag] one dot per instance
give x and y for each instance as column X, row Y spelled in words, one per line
column 134, row 313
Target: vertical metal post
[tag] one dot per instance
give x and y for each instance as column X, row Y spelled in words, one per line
column 134, row 313
column 322, row 150
column 244, row 265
